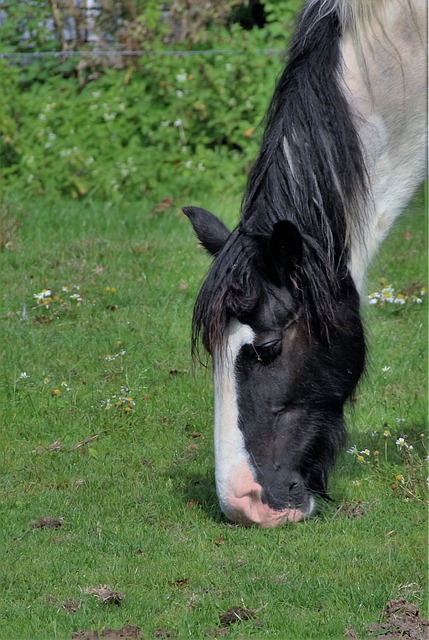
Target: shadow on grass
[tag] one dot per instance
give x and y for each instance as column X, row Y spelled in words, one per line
column 199, row 490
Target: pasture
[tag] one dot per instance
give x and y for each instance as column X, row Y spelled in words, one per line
column 107, row 429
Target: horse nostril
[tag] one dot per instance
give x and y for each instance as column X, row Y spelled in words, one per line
column 293, row 486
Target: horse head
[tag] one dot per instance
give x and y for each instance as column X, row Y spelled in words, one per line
column 281, row 377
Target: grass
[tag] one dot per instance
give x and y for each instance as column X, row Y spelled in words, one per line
column 137, row 501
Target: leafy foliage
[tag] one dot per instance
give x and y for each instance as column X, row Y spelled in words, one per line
column 166, row 119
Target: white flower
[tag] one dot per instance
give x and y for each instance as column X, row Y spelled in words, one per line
column 178, row 122
column 373, row 297
column 23, row 375
column 385, row 369
column 45, row 293
column 111, row 358
column 182, row 77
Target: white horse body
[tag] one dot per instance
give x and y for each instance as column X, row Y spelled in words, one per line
column 387, row 89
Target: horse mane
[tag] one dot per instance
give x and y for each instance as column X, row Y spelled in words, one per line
column 310, row 171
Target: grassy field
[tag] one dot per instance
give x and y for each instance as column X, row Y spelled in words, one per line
column 106, row 428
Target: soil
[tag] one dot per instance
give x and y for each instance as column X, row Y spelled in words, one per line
column 400, row 620
column 126, row 633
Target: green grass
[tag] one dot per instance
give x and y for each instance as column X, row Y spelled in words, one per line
column 138, row 503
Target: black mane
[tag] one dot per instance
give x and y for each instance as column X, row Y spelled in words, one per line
column 317, row 181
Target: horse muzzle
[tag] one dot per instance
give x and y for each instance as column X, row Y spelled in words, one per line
column 243, row 502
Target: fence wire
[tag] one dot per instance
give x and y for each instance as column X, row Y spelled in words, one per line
column 94, row 53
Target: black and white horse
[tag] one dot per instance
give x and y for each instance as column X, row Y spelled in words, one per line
column 343, row 151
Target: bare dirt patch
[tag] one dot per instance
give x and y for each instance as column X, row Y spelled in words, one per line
column 125, row 633
column 400, row 620
column 85, row 634
column 236, row 614
column 71, row 606
column 47, row 523
column 106, row 594
column 232, row 616
column 165, row 634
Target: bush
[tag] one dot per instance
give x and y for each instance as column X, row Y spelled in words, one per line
column 167, row 122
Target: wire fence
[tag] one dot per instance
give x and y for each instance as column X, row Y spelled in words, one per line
column 108, row 54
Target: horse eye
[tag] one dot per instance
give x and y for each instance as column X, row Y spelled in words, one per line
column 268, row 351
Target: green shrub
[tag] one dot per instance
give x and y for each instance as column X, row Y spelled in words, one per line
column 169, row 121
column 165, row 123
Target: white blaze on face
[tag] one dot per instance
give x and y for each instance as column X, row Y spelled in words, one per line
column 231, row 459
column 240, row 496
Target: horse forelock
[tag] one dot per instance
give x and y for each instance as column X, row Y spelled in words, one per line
column 233, row 286
column 238, row 285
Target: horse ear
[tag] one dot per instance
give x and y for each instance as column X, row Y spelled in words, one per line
column 285, row 249
column 211, row 232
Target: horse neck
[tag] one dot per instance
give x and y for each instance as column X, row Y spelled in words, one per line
column 384, row 79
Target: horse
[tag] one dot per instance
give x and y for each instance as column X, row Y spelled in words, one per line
column 279, row 312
